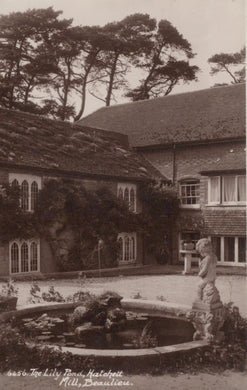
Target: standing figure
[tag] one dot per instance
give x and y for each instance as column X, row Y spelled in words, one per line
column 207, row 265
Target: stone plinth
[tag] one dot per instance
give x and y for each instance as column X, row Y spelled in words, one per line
column 208, row 315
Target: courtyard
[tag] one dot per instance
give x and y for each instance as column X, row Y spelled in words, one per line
column 169, row 288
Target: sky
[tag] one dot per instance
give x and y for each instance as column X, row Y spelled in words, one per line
column 211, row 26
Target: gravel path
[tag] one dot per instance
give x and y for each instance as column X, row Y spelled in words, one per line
column 171, row 288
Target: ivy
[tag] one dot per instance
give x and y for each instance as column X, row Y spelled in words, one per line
column 65, row 207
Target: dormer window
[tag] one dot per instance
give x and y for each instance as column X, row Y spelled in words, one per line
column 29, row 188
column 127, row 193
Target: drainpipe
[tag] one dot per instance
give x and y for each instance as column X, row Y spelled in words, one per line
column 173, row 182
column 173, row 163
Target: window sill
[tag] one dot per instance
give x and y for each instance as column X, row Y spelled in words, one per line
column 190, row 206
column 226, row 205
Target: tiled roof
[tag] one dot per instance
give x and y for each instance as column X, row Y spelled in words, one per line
column 225, row 222
column 210, row 114
column 28, row 140
column 232, row 161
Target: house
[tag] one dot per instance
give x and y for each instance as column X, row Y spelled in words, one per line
column 34, row 149
column 197, row 140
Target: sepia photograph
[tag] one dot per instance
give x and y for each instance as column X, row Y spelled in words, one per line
column 123, row 195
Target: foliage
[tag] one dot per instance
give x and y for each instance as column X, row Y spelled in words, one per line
column 87, row 217
column 47, row 64
column 9, row 289
column 52, row 295
column 165, row 64
column 14, row 222
column 160, row 209
column 231, row 63
column 235, row 326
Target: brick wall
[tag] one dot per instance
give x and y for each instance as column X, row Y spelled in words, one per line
column 189, row 159
column 188, row 162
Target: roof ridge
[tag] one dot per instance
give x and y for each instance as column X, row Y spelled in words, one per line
column 163, row 97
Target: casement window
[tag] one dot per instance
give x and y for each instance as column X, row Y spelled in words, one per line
column 24, row 256
column 29, row 189
column 230, row 250
column 127, row 247
column 214, row 190
column 190, row 193
column 127, row 193
column 228, row 189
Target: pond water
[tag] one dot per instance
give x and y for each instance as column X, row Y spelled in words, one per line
column 140, row 330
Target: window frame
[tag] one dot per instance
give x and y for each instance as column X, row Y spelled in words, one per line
column 235, row 261
column 20, row 178
column 132, row 248
column 20, row 245
column 221, row 184
column 129, row 188
column 188, row 182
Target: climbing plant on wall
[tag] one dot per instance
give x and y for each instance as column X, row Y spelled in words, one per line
column 73, row 220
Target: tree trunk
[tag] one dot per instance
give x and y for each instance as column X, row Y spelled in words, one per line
column 110, row 87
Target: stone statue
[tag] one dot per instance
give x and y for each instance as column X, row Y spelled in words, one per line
column 207, row 313
column 207, row 267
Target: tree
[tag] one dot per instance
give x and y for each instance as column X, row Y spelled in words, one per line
column 165, row 64
column 124, row 40
column 88, row 67
column 26, row 56
column 225, row 62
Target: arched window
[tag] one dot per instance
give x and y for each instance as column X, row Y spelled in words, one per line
column 15, row 183
column 24, row 195
column 24, row 257
column 33, row 257
column 132, row 200
column 14, row 255
column 127, row 192
column 34, row 195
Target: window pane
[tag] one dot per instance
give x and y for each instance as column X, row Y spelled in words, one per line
column 120, row 193
column 132, row 248
column 229, row 249
column 229, row 189
column 24, row 195
column 214, row 195
column 126, row 196
column 132, row 200
column 126, row 248
column 242, row 249
column 33, row 257
column 14, row 258
column 24, row 258
column 120, row 249
column 34, row 195
column 216, row 246
column 241, row 188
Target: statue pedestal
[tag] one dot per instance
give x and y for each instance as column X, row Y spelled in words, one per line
column 187, row 261
column 208, row 315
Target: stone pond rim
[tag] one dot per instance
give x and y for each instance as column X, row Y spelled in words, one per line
column 150, row 307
